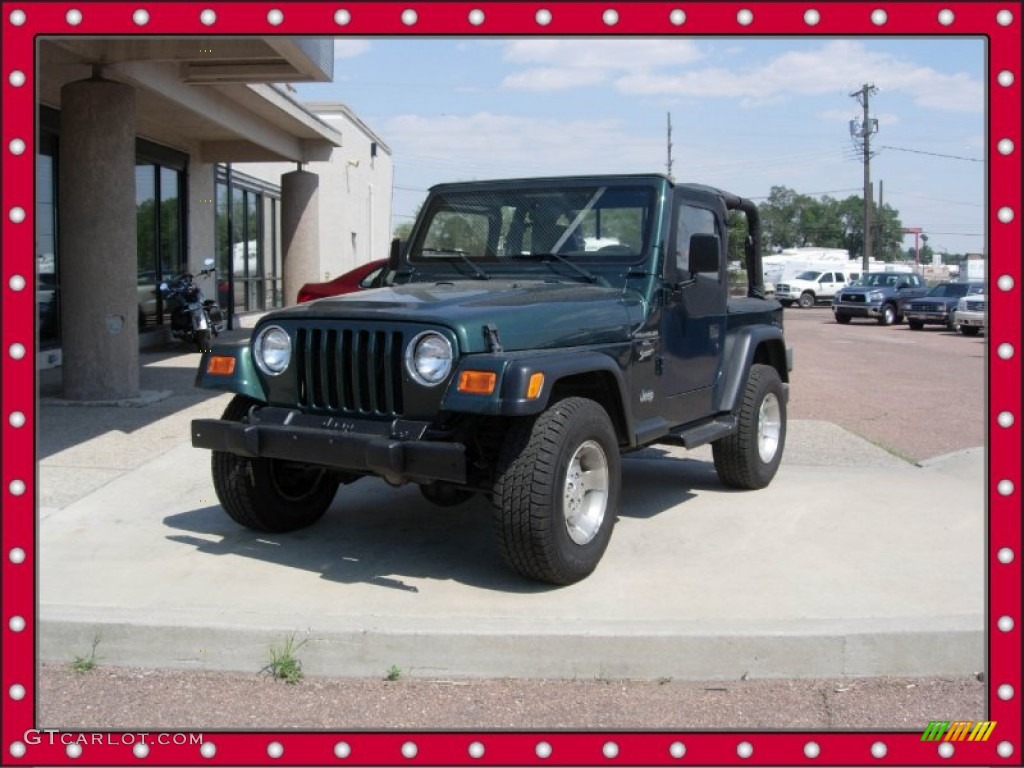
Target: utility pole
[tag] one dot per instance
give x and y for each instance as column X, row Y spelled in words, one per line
column 668, row 162
column 863, row 131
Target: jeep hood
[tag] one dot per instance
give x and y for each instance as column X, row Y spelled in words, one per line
column 529, row 314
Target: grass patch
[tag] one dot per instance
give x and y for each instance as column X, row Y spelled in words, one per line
column 393, row 674
column 87, row 663
column 283, row 663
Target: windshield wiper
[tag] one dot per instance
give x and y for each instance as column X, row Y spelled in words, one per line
column 590, row 277
column 478, row 273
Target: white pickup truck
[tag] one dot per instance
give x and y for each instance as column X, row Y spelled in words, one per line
column 812, row 286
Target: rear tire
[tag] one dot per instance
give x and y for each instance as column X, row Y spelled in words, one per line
column 204, row 340
column 445, row 495
column 269, row 494
column 750, row 457
column 557, row 490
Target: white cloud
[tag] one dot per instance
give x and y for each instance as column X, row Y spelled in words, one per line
column 347, row 48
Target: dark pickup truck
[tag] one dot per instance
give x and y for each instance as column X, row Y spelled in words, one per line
column 531, row 331
column 877, row 295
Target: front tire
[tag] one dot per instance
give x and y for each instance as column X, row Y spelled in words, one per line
column 806, row 300
column 556, row 491
column 969, row 330
column 269, row 494
column 842, row 319
column 888, row 316
column 915, row 325
column 750, row 457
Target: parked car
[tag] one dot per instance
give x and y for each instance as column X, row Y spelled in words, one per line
column 359, row 279
column 878, row 296
column 811, row 286
column 939, row 305
column 970, row 313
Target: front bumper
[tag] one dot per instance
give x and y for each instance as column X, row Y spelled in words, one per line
column 857, row 309
column 927, row 316
column 971, row 318
column 394, row 450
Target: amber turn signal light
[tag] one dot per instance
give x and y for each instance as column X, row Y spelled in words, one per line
column 477, row 382
column 535, row 386
column 220, row 365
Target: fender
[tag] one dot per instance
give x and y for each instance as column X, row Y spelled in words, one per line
column 513, row 378
column 242, row 380
column 739, row 352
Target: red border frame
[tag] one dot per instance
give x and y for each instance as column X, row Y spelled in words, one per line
column 518, row 18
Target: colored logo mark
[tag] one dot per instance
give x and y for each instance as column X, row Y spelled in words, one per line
column 958, row 730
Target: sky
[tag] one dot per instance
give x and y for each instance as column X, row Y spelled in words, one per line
column 747, row 114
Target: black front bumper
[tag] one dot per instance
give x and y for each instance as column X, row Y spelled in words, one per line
column 394, row 450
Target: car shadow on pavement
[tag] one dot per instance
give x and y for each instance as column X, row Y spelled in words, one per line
column 383, row 536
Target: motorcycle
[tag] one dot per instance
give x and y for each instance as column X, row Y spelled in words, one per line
column 193, row 317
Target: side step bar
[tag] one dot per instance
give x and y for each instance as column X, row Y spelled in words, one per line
column 701, row 434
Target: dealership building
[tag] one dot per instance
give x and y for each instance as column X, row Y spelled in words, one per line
column 155, row 154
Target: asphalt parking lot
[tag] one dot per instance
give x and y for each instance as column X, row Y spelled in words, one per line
column 698, row 584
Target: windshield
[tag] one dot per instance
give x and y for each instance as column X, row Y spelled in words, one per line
column 881, row 278
column 592, row 224
column 955, row 289
column 809, row 275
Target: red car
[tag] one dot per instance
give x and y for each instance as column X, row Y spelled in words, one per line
column 359, row 279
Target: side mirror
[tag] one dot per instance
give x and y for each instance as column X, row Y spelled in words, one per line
column 395, row 255
column 704, row 253
column 901, row 285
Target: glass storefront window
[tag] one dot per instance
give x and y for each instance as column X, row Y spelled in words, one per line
column 47, row 300
column 159, row 227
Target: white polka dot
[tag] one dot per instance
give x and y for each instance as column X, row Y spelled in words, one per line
column 17, row 214
column 16, row 78
column 342, row 750
column 409, row 17
column 17, row 147
column 744, row 749
column 17, row 749
column 610, row 17
column 543, row 17
column 17, row 17
column 1005, row 555
column 745, row 16
column 275, row 749
column 16, row 283
column 17, row 624
column 1004, row 18
column 610, row 750
column 73, row 17
column 1005, row 78
column 16, row 419
column 208, row 17
column 476, row 750
column 17, row 487
column 1005, row 749
column 17, row 556
column 74, row 751
column 17, row 351
column 275, row 16
column 476, row 17
column 1005, row 419
column 141, row 17
column 1005, row 692
column 1005, row 624
column 16, row 691
column 678, row 18
column 208, row 750
column 1005, row 146
column 946, row 17
column 811, row 17
column 1005, row 351
column 879, row 17
column 677, row 749
column 1005, row 282
column 1005, row 487
column 409, row 750
column 543, row 750
column 811, row 749
column 946, row 749
column 342, row 17
column 879, row 750
column 1005, row 214
column 141, row 750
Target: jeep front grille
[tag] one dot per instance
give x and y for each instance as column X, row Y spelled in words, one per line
column 350, row 370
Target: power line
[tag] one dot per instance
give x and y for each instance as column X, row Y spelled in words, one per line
column 934, row 154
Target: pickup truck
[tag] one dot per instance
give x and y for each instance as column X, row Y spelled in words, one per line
column 507, row 358
column 878, row 295
column 811, row 287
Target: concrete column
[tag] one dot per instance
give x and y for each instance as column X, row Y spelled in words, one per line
column 300, row 232
column 98, row 264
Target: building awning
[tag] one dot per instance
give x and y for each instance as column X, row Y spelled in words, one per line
column 212, row 97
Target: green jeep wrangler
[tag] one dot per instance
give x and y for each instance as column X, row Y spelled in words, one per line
column 529, row 332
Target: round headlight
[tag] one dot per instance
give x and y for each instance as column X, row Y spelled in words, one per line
column 272, row 350
column 429, row 358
